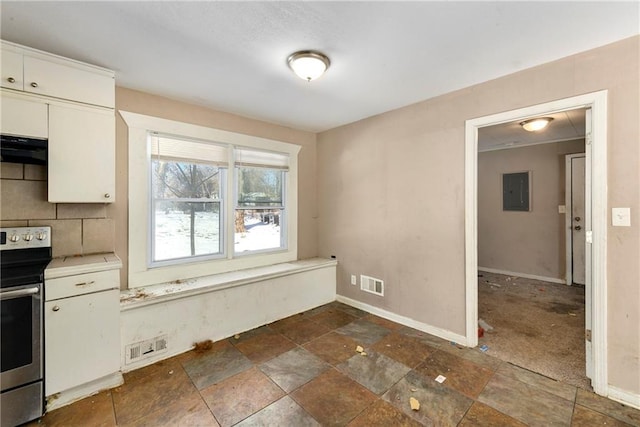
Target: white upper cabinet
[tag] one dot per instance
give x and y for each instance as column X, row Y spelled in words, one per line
column 41, row 73
column 22, row 116
column 81, row 165
column 68, row 80
column 11, row 59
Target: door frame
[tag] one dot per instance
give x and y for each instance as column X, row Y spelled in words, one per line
column 596, row 171
column 568, row 216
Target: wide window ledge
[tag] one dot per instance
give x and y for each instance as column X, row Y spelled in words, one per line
column 163, row 292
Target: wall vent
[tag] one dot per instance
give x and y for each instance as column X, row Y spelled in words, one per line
column 372, row 285
column 145, row 349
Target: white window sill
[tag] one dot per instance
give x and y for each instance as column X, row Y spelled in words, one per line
column 163, row 292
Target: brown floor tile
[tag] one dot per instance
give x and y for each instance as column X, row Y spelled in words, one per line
column 188, row 411
column 404, row 349
column 586, row 417
column 481, row 415
column 383, row 414
column 439, row 405
column 333, row 318
column 333, row 399
column 552, row 386
column 462, row 375
column 94, row 410
column 333, row 348
column 393, row 326
column 375, row 371
column 284, row 412
column 304, row 331
column 363, row 332
column 287, row 321
column 424, row 337
column 246, row 335
column 263, row 347
column 238, row 397
column 161, row 366
column 526, row 403
column 193, row 354
column 480, row 358
column 151, row 393
column 213, row 367
column 356, row 312
column 608, row 407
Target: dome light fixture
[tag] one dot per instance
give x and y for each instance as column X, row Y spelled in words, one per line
column 308, row 64
column 536, row 124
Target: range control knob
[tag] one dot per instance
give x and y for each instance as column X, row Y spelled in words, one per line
column 27, row 237
column 41, row 235
column 14, row 238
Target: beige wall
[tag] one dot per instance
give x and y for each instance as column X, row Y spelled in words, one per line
column 76, row 229
column 142, row 103
column 524, row 242
column 391, row 195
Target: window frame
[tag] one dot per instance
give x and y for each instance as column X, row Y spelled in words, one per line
column 139, row 210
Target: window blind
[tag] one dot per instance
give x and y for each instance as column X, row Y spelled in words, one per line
column 255, row 158
column 193, row 151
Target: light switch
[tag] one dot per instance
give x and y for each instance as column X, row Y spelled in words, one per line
column 562, row 209
column 621, row 217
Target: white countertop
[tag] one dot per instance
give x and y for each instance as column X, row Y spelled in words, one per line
column 73, row 265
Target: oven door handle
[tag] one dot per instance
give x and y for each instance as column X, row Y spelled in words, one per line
column 19, row 293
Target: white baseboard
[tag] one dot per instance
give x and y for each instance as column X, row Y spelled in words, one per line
column 623, row 396
column 438, row 332
column 524, row 275
column 74, row 394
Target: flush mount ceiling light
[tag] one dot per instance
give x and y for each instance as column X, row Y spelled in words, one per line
column 308, row 64
column 536, row 124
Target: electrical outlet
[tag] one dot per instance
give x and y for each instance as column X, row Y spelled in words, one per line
column 353, row 279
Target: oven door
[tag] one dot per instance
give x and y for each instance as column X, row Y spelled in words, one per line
column 21, row 335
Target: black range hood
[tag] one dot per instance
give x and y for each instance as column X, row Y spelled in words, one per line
column 20, row 149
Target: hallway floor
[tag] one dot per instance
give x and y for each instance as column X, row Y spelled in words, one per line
column 304, row 371
column 536, row 325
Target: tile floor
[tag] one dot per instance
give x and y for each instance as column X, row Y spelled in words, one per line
column 304, row 371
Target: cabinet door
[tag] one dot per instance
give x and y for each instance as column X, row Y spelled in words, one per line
column 11, row 68
column 81, row 154
column 82, row 339
column 68, row 80
column 23, row 118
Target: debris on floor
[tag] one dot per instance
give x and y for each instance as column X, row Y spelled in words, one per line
column 415, row 405
column 457, row 345
column 440, row 378
column 484, row 348
column 203, row 346
column 572, row 314
column 484, row 325
column 480, row 332
column 359, row 349
column 494, row 285
column 237, row 336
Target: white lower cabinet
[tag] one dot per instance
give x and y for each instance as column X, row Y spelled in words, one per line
column 82, row 333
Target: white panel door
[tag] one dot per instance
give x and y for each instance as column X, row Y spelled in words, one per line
column 578, row 241
column 82, row 339
column 81, row 154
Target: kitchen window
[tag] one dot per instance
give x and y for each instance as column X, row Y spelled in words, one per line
column 203, row 201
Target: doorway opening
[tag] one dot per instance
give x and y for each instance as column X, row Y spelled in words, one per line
column 529, row 316
column 595, row 222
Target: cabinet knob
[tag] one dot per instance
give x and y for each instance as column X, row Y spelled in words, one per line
column 56, row 308
column 34, row 84
column 107, row 195
column 11, row 80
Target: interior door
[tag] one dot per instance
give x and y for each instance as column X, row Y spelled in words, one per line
column 578, row 219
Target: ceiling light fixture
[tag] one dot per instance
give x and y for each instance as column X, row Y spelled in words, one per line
column 536, row 124
column 308, row 64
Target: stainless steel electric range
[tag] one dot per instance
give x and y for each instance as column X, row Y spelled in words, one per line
column 24, row 254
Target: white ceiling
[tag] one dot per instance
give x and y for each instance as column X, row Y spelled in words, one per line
column 231, row 56
column 565, row 126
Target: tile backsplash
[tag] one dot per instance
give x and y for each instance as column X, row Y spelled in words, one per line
column 76, row 229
